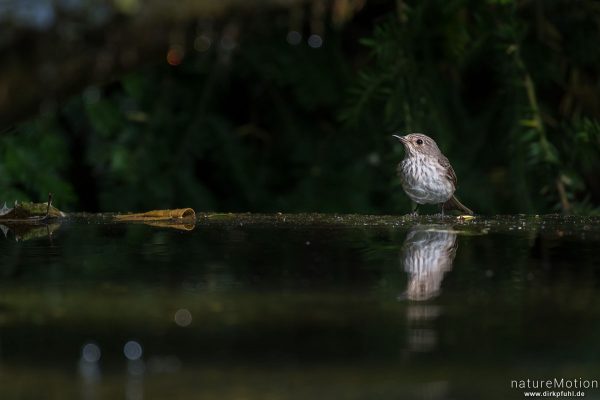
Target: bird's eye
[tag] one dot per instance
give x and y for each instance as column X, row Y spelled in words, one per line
column 419, row 142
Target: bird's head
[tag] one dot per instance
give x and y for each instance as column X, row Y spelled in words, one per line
column 417, row 143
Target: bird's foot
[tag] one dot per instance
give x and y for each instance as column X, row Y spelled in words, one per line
column 441, row 213
column 415, row 210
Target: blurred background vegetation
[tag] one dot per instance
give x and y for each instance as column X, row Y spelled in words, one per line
column 289, row 106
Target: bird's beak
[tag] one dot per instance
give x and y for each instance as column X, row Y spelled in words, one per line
column 401, row 138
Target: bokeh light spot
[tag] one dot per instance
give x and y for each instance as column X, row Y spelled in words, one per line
column 90, row 352
column 133, row 350
column 175, row 55
column 315, row 41
column 202, row 43
column 294, row 38
column 183, row 317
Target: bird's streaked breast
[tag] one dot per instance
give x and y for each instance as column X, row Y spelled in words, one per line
column 424, row 180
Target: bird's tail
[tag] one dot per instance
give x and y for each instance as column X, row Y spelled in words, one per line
column 454, row 204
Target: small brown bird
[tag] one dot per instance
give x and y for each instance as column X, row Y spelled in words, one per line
column 426, row 174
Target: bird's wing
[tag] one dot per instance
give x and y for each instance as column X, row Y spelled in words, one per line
column 450, row 174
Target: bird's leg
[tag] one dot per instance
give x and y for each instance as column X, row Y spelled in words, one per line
column 442, row 210
column 415, row 209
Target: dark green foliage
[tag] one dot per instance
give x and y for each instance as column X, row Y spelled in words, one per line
column 509, row 90
column 488, row 83
column 33, row 163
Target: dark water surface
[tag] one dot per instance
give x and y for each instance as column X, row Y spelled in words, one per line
column 299, row 307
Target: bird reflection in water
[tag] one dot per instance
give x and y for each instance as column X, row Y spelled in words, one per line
column 428, row 253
